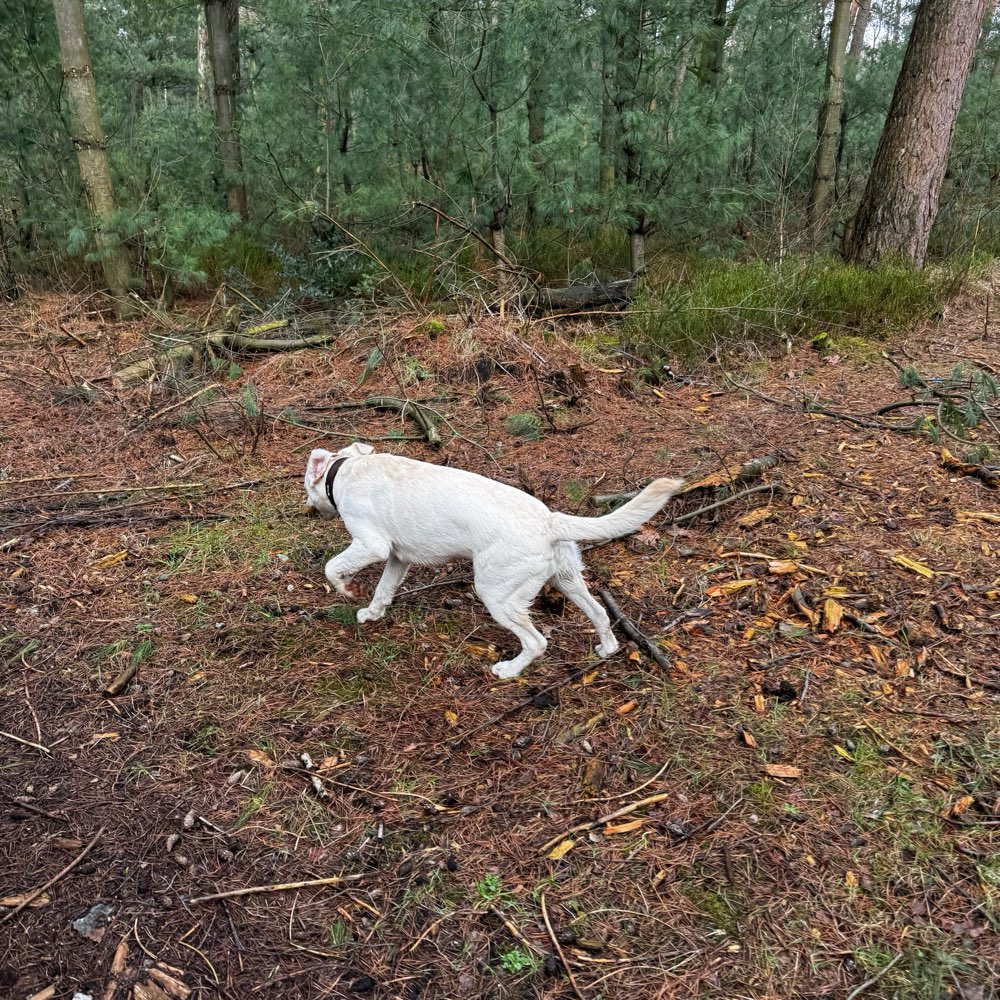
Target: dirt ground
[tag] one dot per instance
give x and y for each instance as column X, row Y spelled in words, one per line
column 803, row 802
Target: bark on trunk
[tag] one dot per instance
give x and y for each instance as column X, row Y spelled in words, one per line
column 859, row 29
column 828, row 132
column 537, row 102
column 606, row 141
column 901, row 198
column 87, row 137
column 713, row 44
column 222, row 21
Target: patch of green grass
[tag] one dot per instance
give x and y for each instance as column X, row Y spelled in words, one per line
column 489, row 887
column 713, row 905
column 252, row 540
column 202, row 739
column 253, row 805
column 524, row 424
column 518, row 959
column 339, row 934
column 342, row 614
column 713, row 303
column 576, row 492
column 383, row 652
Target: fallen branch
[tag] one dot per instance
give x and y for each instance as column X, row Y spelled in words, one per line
column 773, row 487
column 558, row 947
column 181, row 356
column 55, row 878
column 583, row 296
column 710, row 825
column 618, row 617
column 407, row 408
column 277, row 887
column 122, row 681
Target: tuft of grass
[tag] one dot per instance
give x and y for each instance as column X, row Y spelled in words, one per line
column 524, row 424
column 518, row 959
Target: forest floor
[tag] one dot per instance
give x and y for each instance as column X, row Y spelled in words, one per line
column 806, row 803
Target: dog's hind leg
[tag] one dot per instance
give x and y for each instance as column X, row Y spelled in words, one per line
column 359, row 554
column 568, row 580
column 392, row 577
column 576, row 590
column 509, row 608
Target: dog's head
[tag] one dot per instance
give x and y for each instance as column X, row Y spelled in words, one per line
column 317, row 468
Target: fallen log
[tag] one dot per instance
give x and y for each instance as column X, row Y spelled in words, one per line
column 184, row 355
column 574, row 297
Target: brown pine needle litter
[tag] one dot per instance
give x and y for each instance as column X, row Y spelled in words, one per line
column 753, row 821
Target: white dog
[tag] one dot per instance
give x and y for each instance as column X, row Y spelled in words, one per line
column 400, row 511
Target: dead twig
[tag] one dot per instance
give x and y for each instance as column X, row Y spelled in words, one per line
column 27, row 743
column 773, row 487
column 516, row 707
column 607, row 818
column 558, row 947
column 868, row 983
column 277, row 887
column 953, row 671
column 55, row 878
column 618, row 617
column 40, row 812
column 514, row 931
column 122, row 681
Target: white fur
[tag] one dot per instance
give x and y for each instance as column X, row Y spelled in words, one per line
column 400, row 511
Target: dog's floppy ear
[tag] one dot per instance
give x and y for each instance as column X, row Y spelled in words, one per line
column 319, row 462
column 360, row 448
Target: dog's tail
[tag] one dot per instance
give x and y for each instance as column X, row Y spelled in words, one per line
column 620, row 522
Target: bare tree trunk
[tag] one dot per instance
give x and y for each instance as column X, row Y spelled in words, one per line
column 900, row 201
column 88, row 140
column 537, row 105
column 713, row 46
column 346, row 116
column 606, row 141
column 222, row 22
column 629, row 97
column 828, row 132
column 859, row 29
column 203, row 68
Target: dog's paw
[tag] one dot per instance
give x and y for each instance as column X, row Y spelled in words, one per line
column 607, row 649
column 368, row 615
column 349, row 590
column 506, row 670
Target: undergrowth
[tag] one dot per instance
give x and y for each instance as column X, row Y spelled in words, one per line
column 707, row 305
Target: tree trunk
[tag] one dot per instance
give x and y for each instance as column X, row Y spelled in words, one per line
column 346, row 121
column 222, row 22
column 537, row 102
column 828, row 132
column 606, row 141
column 713, row 46
column 637, row 251
column 859, row 29
column 203, row 69
column 629, row 97
column 87, row 137
column 901, row 198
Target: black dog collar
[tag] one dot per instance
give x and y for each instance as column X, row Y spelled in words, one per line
column 330, row 477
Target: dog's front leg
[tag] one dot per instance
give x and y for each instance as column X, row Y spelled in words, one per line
column 392, row 577
column 359, row 554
